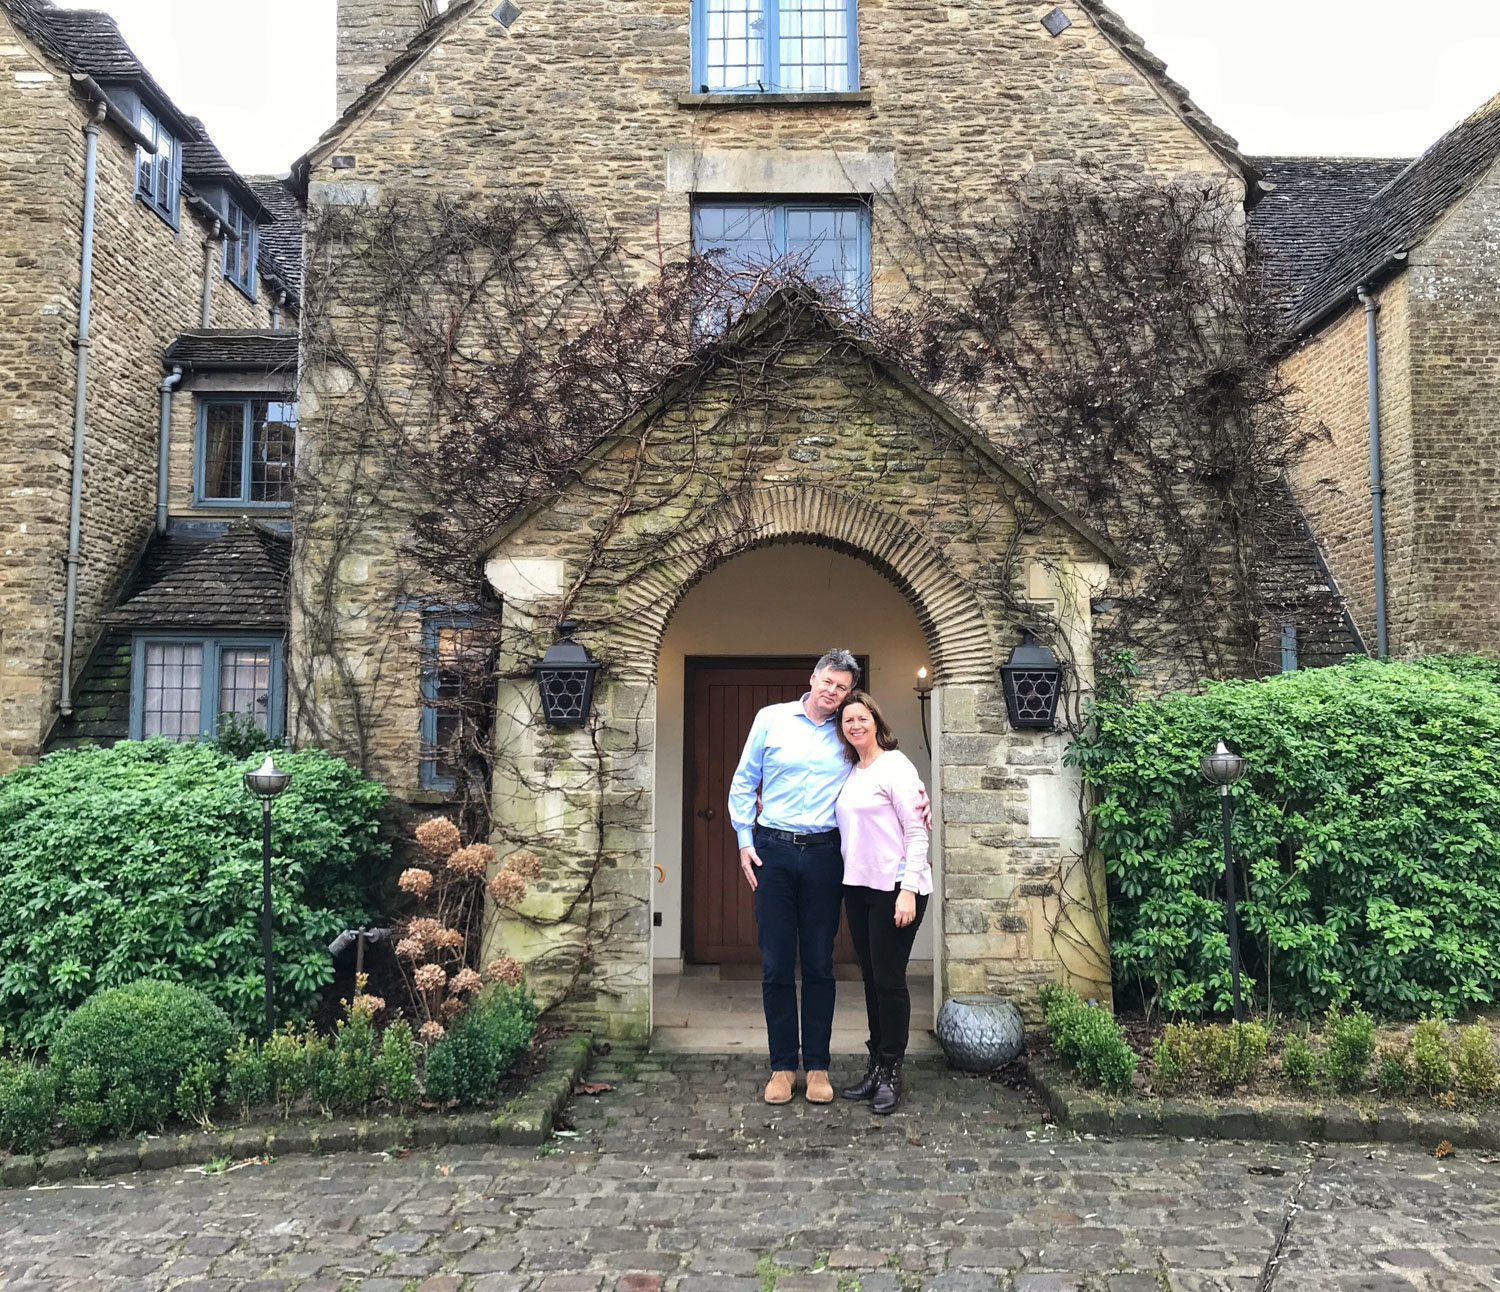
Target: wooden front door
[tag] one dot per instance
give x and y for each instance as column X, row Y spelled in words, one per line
column 723, row 697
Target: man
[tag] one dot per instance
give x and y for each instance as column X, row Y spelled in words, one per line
column 791, row 859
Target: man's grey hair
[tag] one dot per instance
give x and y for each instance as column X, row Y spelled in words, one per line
column 841, row 661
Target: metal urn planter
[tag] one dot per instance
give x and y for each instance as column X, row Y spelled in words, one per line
column 980, row 1033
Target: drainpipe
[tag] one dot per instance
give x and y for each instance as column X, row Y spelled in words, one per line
column 205, row 315
column 278, row 299
column 1377, row 485
column 80, row 404
column 164, row 448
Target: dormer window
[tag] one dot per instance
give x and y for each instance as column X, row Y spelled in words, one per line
column 240, row 251
column 158, row 175
column 775, row 46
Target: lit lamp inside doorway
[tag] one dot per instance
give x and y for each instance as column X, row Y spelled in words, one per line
column 924, row 696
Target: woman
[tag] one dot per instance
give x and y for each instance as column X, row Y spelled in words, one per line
column 887, row 880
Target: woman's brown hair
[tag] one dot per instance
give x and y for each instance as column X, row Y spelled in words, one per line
column 884, row 736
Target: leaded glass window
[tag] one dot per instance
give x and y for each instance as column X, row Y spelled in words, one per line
column 775, row 46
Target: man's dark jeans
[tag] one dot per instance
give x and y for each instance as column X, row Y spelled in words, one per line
column 797, row 912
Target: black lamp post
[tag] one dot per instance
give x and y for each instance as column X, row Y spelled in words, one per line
column 1223, row 768
column 267, row 782
column 566, row 677
column 1032, row 679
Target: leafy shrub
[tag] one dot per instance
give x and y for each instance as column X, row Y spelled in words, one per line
column 1365, row 837
column 1475, row 1061
column 1086, row 1036
column 478, row 1051
column 1299, row 1062
column 144, row 859
column 352, row 1075
column 247, row 1080
column 1395, row 1075
column 285, row 1072
column 1430, row 1055
column 28, row 1106
column 196, row 1092
column 139, row 1042
column 1349, row 1047
column 1221, row 1057
column 83, row 1103
column 396, row 1064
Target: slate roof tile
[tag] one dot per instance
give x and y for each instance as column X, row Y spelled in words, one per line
column 270, row 350
column 236, row 579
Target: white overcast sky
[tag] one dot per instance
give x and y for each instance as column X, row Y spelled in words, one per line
column 1359, row 78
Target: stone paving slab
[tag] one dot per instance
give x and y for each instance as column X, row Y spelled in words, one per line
column 681, row 1180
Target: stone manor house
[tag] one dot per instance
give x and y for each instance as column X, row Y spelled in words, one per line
column 155, row 408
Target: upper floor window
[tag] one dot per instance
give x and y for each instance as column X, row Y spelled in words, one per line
column 246, row 451
column 158, row 175
column 181, row 686
column 828, row 241
column 775, row 46
column 239, row 256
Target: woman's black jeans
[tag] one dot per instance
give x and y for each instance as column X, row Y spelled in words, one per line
column 883, row 951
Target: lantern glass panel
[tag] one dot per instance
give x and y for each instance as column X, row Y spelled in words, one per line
column 565, row 694
column 1031, row 694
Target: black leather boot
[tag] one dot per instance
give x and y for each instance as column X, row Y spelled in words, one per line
column 887, row 1087
column 865, row 1086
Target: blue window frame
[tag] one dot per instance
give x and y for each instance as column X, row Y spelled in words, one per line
column 246, row 451
column 158, row 175
column 455, row 682
column 828, row 241
column 181, row 683
column 775, row 46
column 239, row 256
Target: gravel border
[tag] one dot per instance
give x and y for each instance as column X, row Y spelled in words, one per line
column 526, row 1120
column 1331, row 1122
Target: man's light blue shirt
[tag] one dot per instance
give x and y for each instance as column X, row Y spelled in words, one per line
column 798, row 765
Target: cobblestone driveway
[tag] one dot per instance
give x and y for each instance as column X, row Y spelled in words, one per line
column 679, row 1178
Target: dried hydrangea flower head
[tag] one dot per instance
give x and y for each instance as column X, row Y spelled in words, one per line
column 472, row 862
column 451, row 1008
column 504, row 969
column 465, row 980
column 416, row 881
column 448, row 939
column 505, row 888
column 431, row 1031
column 425, row 929
column 525, row 863
column 410, row 949
column 439, row 836
column 430, row 977
column 365, row 1003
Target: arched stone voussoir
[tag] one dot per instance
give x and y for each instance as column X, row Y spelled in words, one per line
column 946, row 605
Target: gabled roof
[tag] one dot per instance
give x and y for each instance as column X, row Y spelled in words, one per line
column 408, row 58
column 233, row 579
column 281, row 242
column 1155, row 70
column 269, row 350
column 1400, row 214
column 1311, row 205
column 1108, row 22
column 794, row 304
column 89, row 43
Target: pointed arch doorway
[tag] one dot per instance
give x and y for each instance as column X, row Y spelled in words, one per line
column 746, row 636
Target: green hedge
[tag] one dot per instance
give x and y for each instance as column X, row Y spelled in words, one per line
column 143, row 861
column 1366, row 835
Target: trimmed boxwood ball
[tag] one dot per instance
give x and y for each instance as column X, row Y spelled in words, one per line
column 123, row 1052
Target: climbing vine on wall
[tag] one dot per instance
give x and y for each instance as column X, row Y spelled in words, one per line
column 464, row 356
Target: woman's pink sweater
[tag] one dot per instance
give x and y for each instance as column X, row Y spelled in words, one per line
column 880, row 829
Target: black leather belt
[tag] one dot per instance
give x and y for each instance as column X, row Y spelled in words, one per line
column 791, row 836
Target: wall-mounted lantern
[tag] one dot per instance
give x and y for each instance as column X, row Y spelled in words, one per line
column 1032, row 678
column 565, row 676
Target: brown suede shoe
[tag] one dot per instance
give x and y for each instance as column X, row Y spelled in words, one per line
column 819, row 1088
column 779, row 1088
